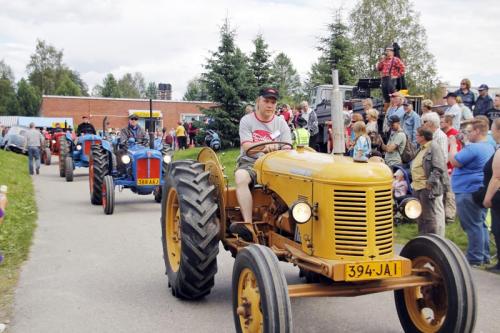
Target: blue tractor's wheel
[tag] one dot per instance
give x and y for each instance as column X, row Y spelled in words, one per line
column 98, row 169
column 108, row 195
column 63, row 153
column 68, row 169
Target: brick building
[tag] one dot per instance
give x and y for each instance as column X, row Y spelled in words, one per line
column 166, row 113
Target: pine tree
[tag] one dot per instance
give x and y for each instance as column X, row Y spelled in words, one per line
column 196, row 90
column 110, row 87
column 228, row 81
column 378, row 23
column 337, row 51
column 260, row 64
column 285, row 78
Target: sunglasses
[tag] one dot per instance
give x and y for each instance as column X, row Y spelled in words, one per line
column 134, row 119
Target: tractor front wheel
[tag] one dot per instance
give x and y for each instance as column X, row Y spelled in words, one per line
column 189, row 230
column 63, row 153
column 48, row 156
column 68, row 169
column 260, row 292
column 448, row 305
column 108, row 195
column 98, row 169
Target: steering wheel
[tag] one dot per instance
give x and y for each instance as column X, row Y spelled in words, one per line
column 280, row 144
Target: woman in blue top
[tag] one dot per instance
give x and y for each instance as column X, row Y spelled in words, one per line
column 467, row 178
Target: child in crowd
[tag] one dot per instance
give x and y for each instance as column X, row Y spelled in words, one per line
column 362, row 145
column 399, row 185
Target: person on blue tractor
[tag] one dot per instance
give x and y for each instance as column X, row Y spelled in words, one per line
column 85, row 127
column 133, row 130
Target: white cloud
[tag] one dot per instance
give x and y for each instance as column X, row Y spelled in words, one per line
column 169, row 41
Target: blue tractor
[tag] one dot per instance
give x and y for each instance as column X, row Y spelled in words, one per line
column 75, row 154
column 137, row 165
column 132, row 165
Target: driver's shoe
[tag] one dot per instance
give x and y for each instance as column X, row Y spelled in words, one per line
column 242, row 229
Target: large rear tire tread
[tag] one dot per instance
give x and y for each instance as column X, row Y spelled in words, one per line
column 456, row 276
column 63, row 152
column 273, row 289
column 99, row 162
column 199, row 230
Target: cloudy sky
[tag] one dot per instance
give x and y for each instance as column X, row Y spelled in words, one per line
column 168, row 41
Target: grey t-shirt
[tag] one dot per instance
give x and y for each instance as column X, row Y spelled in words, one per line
column 34, row 138
column 399, row 139
column 254, row 130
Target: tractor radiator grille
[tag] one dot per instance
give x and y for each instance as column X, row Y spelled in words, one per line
column 88, row 144
column 148, row 168
column 363, row 222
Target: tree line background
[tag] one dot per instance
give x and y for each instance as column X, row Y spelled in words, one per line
column 353, row 42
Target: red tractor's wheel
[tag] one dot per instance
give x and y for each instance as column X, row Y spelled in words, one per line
column 68, row 169
column 108, row 195
column 448, row 305
column 47, row 156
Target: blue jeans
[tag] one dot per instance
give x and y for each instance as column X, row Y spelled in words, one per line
column 33, row 152
column 472, row 219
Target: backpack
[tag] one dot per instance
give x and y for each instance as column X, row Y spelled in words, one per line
column 409, row 151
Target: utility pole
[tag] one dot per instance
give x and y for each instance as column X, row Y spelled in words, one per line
column 337, row 116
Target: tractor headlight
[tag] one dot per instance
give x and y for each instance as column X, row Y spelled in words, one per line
column 53, row 141
column 167, row 159
column 125, row 159
column 78, row 147
column 411, row 208
column 301, row 212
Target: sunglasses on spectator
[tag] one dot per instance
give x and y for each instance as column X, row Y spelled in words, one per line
column 134, row 119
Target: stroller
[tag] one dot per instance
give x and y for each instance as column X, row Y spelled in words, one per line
column 407, row 208
column 212, row 140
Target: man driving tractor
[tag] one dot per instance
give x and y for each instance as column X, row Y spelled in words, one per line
column 85, row 127
column 133, row 130
column 256, row 128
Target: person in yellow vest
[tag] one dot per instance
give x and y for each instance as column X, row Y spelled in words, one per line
column 300, row 134
column 180, row 133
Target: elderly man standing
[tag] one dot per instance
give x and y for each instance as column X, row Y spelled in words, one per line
column 430, row 182
column 432, row 122
column 395, row 109
column 483, row 102
column 411, row 121
column 34, row 140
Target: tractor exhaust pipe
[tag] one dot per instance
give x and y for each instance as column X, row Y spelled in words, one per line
column 151, row 126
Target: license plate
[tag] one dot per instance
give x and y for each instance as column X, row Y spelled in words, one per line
column 372, row 270
column 148, row 181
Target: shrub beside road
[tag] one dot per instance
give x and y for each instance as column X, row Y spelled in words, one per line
column 16, row 232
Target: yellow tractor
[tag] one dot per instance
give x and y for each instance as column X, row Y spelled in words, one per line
column 329, row 215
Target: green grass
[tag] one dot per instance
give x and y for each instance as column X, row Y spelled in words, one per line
column 227, row 158
column 454, row 232
column 16, row 232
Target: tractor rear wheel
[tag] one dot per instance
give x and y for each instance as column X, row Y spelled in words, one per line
column 449, row 305
column 98, row 169
column 189, row 230
column 63, row 153
column 48, row 156
column 108, row 195
column 260, row 292
column 68, row 169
